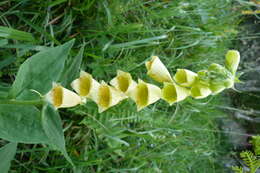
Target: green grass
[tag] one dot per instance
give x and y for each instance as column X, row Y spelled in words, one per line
column 120, row 34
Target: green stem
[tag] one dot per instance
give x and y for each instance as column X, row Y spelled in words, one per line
column 22, row 102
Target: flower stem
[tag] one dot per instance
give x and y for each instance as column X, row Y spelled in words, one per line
column 22, row 102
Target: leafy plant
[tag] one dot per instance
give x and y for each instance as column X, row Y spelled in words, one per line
column 250, row 159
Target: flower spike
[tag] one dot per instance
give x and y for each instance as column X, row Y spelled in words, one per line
column 61, row 97
column 145, row 94
column 157, row 70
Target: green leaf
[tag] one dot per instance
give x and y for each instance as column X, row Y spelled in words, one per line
column 21, row 123
column 7, row 62
column 52, row 126
column 73, row 69
column 7, row 154
column 39, row 71
column 11, row 33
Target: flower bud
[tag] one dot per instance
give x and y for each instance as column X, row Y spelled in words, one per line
column 185, row 78
column 157, row 70
column 108, row 96
column 123, row 82
column 145, row 94
column 232, row 60
column 172, row 93
column 229, row 83
column 61, row 97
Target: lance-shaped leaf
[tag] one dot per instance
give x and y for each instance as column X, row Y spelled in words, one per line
column 145, row 94
column 22, row 124
column 173, row 93
column 72, row 69
column 184, row 77
column 52, row 126
column 11, row 33
column 108, row 96
column 39, row 71
column 86, row 86
column 61, row 97
column 123, row 82
column 157, row 70
column 232, row 60
column 200, row 90
column 7, row 154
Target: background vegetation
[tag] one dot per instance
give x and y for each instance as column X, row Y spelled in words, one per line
column 120, row 34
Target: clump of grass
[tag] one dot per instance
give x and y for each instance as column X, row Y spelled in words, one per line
column 122, row 35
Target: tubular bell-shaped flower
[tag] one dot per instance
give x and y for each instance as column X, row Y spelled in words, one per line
column 123, row 82
column 157, row 70
column 173, row 93
column 86, row 86
column 185, row 77
column 61, row 97
column 145, row 94
column 200, row 89
column 232, row 61
column 108, row 96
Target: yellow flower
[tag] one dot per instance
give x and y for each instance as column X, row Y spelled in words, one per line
column 61, row 97
column 145, row 94
column 123, row 82
column 86, row 86
column 232, row 60
column 184, row 77
column 215, row 88
column 157, row 70
column 108, row 96
column 172, row 92
column 200, row 90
